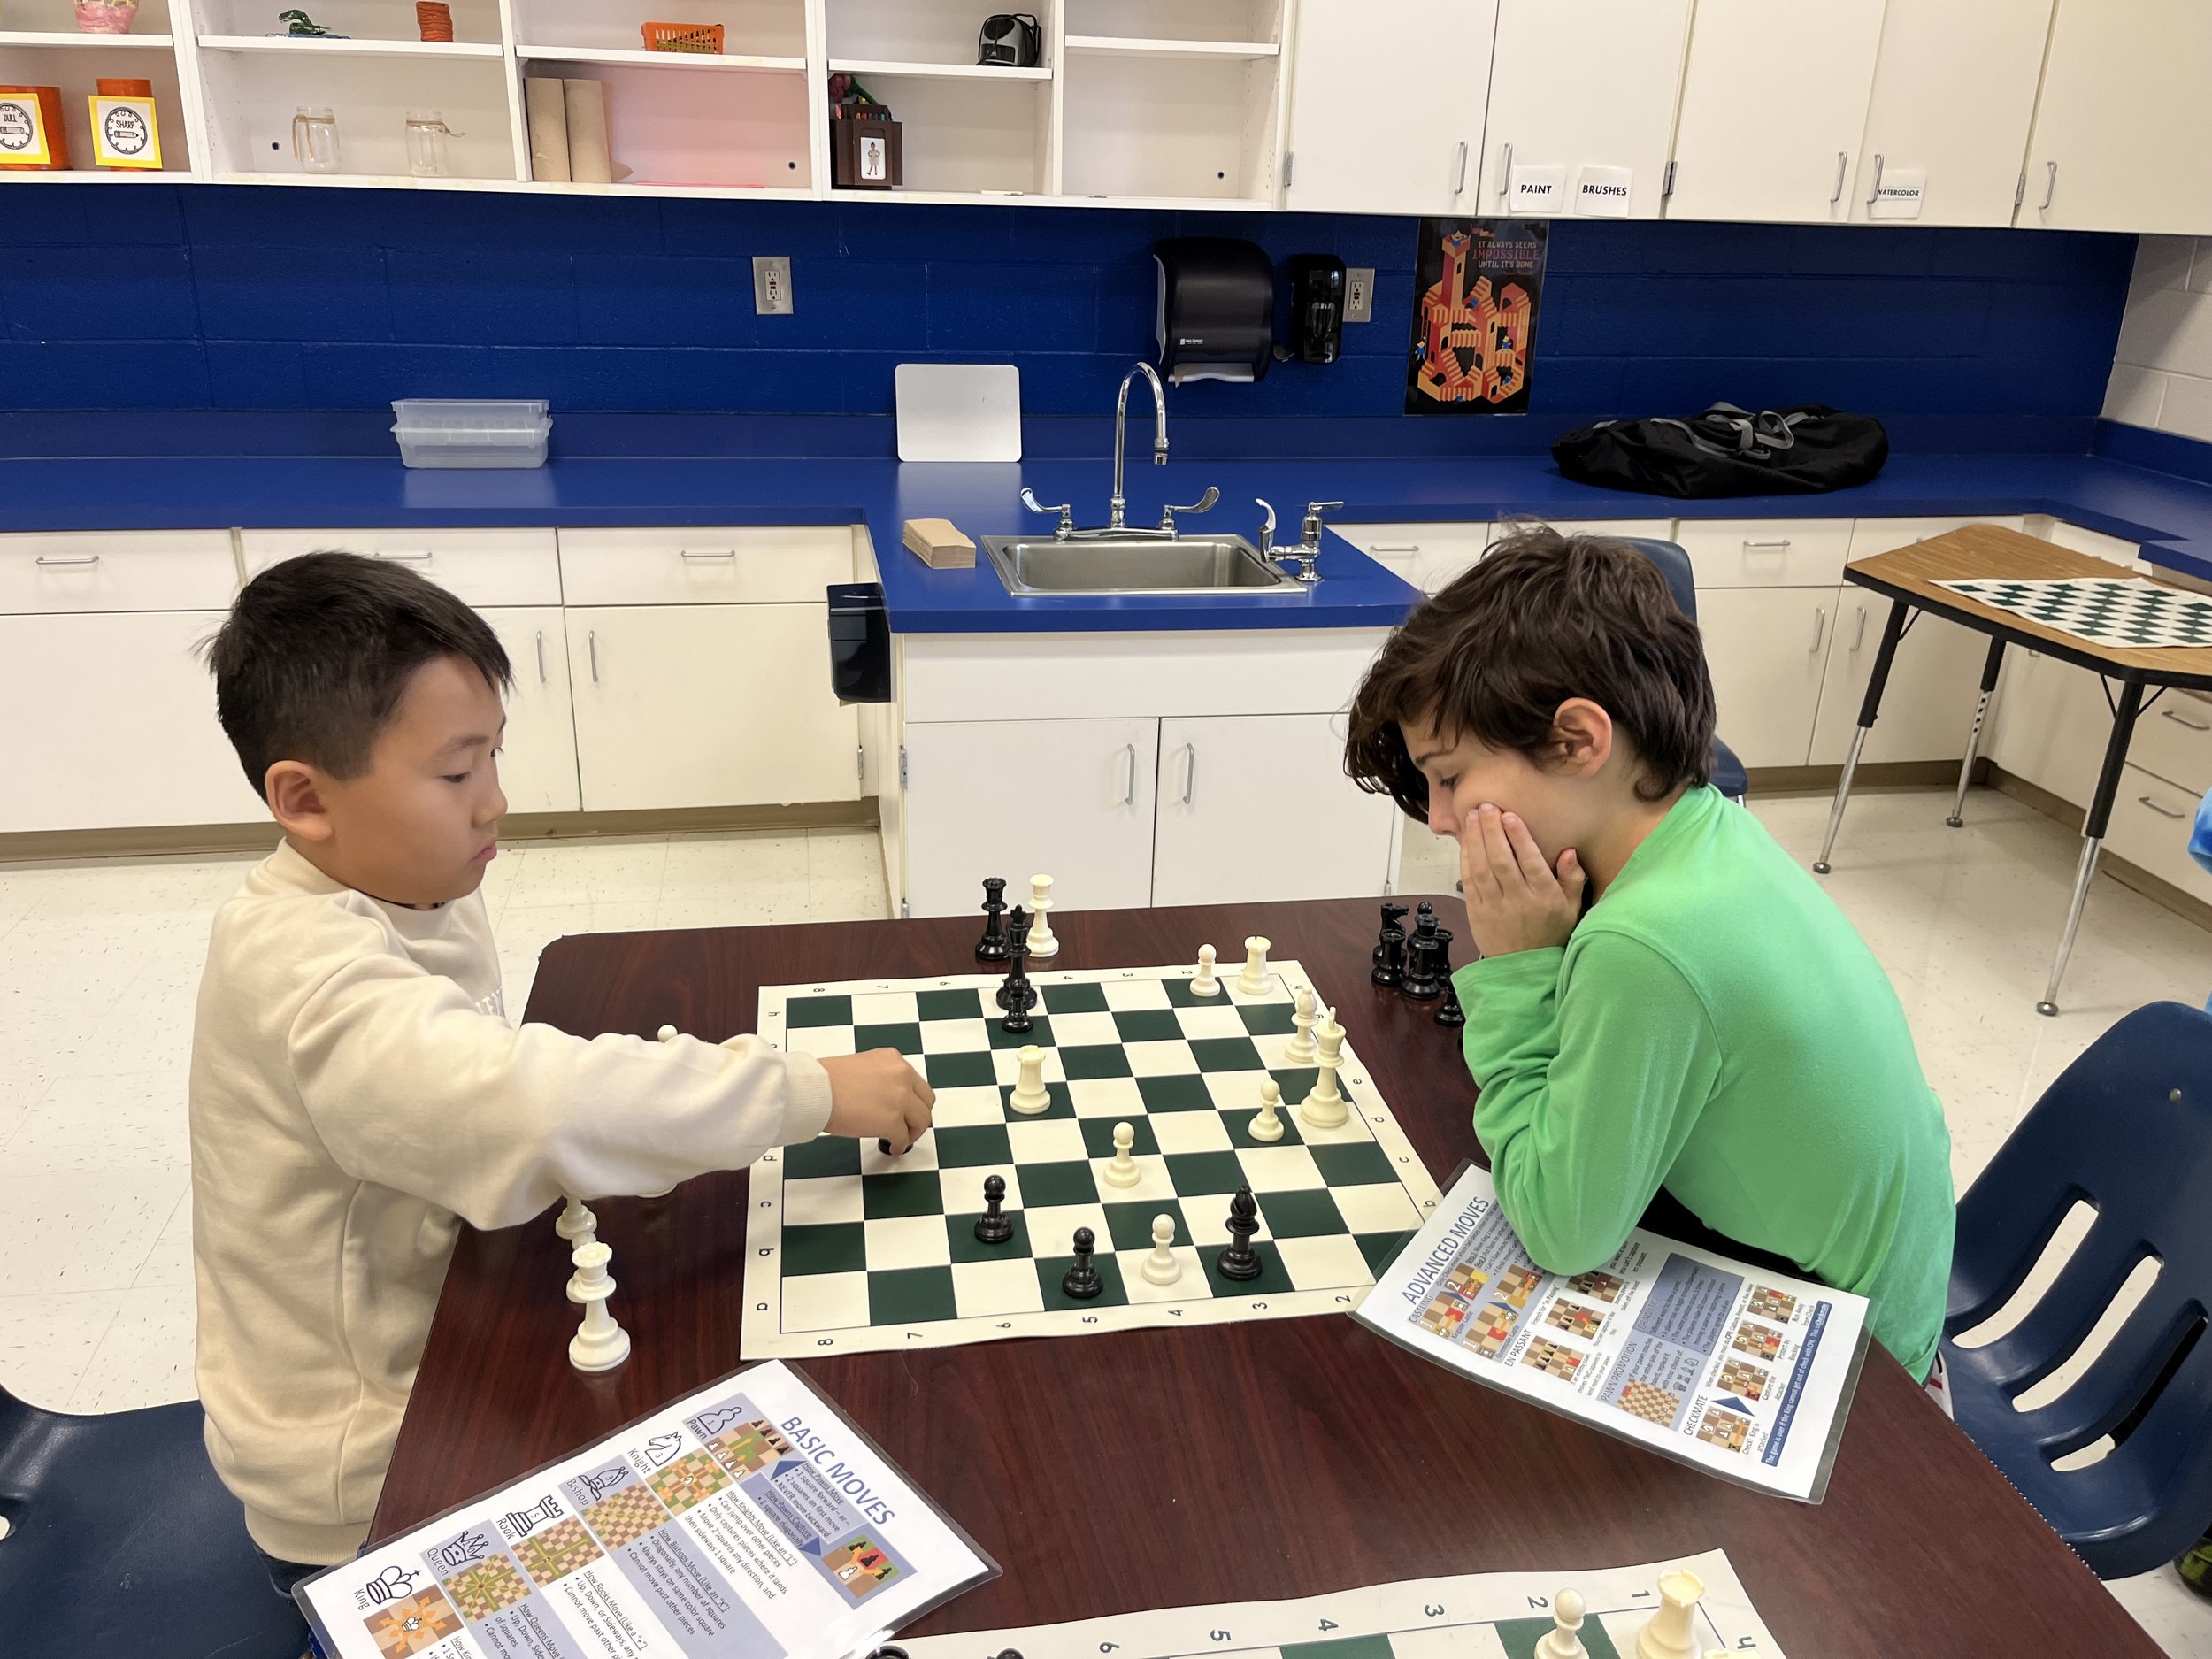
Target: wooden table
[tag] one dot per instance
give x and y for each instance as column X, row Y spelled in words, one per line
column 1911, row 577
column 1251, row 1461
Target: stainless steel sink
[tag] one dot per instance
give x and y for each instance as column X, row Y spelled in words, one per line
column 1135, row 564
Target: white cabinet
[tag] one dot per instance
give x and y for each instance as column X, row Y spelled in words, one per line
column 1072, row 799
column 2052, row 722
column 707, row 705
column 1362, row 139
column 112, row 724
column 1427, row 556
column 537, row 763
column 484, row 567
column 2150, row 828
column 2123, row 124
column 1774, row 101
column 1578, row 84
column 1766, row 649
column 1257, row 807
column 1961, row 135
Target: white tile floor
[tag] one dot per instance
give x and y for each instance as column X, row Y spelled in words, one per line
column 98, row 965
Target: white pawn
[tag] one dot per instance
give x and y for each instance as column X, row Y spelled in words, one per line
column 1253, row 980
column 1563, row 1640
column 1042, row 940
column 667, row 1033
column 1268, row 1124
column 599, row 1344
column 1122, row 1171
column 1030, row 1095
column 1205, row 984
column 1325, row 1108
column 577, row 1224
column 1667, row 1633
column 1301, row 1049
column 1162, row 1267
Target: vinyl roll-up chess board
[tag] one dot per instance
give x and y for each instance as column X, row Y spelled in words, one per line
column 2105, row 611
column 848, row 1249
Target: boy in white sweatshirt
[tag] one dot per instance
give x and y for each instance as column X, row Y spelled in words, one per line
column 357, row 1089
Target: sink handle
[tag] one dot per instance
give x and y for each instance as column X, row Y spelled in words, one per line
column 1202, row 504
column 1267, row 527
column 1065, row 529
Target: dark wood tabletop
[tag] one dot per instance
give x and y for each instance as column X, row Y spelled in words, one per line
column 1237, row 1462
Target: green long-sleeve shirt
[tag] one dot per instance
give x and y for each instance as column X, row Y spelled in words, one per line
column 1715, row 1026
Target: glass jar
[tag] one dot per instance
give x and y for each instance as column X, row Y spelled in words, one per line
column 427, row 152
column 315, row 139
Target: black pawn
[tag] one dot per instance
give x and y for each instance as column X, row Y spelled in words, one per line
column 1239, row 1259
column 993, row 1226
column 1450, row 1013
column 1083, row 1281
column 1390, row 947
column 991, row 946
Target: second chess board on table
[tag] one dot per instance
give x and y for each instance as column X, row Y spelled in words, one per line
column 848, row 1249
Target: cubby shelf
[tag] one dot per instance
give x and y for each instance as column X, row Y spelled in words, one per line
column 658, row 60
column 60, row 37
column 1130, row 47
column 324, row 44
column 934, row 71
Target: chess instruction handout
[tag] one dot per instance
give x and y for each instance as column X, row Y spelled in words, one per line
column 1741, row 1372
column 751, row 1520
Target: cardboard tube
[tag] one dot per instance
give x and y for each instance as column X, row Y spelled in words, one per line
column 547, row 103
column 590, row 161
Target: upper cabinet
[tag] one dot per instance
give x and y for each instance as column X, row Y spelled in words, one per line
column 1582, row 105
column 1774, row 103
column 1362, row 139
column 2123, row 126
column 1942, row 148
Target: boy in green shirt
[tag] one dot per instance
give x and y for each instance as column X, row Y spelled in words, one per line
column 1710, row 1023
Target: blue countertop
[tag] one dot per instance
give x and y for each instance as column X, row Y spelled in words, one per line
column 2172, row 515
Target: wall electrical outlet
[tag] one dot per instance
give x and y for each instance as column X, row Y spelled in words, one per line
column 771, row 285
column 1359, row 295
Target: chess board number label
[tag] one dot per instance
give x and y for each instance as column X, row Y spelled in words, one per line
column 1434, row 1610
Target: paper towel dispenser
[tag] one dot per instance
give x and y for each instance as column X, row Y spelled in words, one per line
column 1217, row 316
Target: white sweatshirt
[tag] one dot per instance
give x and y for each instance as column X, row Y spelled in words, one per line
column 357, row 1093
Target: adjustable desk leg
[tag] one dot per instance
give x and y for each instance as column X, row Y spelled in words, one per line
column 2115, row 754
column 1974, row 738
column 1893, row 631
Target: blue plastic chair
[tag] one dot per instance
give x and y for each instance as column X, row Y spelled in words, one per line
column 1674, row 563
column 2128, row 1129
column 121, row 1540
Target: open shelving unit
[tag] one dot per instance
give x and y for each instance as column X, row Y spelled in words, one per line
column 1174, row 102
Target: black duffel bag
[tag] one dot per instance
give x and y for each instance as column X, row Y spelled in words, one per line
column 1728, row 452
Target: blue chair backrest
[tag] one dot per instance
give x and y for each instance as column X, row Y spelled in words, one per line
column 1674, row 564
column 2127, row 1128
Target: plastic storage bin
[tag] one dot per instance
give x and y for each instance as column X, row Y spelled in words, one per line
column 452, row 432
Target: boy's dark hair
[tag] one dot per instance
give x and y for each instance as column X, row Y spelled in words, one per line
column 316, row 652
column 1540, row 617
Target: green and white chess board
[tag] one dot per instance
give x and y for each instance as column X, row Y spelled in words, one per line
column 2105, row 611
column 848, row 1249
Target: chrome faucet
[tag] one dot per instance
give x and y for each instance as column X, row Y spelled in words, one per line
column 1117, row 508
column 1308, row 548
column 1116, row 525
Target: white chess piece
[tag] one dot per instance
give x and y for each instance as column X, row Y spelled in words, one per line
column 667, row 1033
column 599, row 1344
column 1325, row 1108
column 1268, row 1124
column 1301, row 1050
column 1122, row 1171
column 1042, row 940
column 1205, row 984
column 1667, row 1633
column 1563, row 1640
column 1030, row 1096
column 1162, row 1267
column 1253, row 982
column 577, row 1224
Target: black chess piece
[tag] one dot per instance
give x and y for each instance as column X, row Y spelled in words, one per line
column 1239, row 1259
column 993, row 1226
column 1018, row 996
column 991, row 946
column 1448, row 1012
column 1424, row 979
column 1083, row 1281
column 1390, row 947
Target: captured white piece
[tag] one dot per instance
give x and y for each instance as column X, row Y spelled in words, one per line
column 1325, row 1108
column 1253, row 980
column 599, row 1344
column 1030, row 1095
column 1162, row 1266
column 1205, row 984
column 1268, row 1126
column 1042, row 940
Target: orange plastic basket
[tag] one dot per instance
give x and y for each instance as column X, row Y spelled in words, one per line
column 683, row 37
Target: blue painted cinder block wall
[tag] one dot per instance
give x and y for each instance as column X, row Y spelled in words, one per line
column 210, row 297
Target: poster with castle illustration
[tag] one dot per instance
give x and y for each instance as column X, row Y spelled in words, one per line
column 1476, row 287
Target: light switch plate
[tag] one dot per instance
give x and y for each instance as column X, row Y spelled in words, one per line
column 1359, row 293
column 771, row 285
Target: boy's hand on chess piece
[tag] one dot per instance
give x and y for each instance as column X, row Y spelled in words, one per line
column 1515, row 899
column 878, row 1096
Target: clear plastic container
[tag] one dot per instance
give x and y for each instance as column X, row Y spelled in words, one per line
column 454, row 432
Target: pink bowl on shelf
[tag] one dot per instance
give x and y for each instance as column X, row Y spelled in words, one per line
column 106, row 17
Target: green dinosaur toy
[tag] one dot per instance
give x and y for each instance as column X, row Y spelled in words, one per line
column 298, row 22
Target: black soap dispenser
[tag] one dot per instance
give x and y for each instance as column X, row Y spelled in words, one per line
column 1317, row 307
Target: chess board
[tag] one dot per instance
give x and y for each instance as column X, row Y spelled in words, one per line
column 2105, row 611
column 848, row 1249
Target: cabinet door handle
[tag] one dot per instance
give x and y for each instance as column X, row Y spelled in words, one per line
column 591, row 649
column 89, row 560
column 1190, row 773
column 1129, row 794
column 2050, row 185
column 1505, row 170
column 2194, row 725
column 2161, row 811
column 1843, row 164
column 540, row 656
column 1875, row 191
column 686, row 553
column 1771, row 544
column 1858, row 636
column 1820, row 627
column 422, row 557
column 1385, row 547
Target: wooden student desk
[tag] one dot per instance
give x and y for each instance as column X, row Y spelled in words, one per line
column 1219, row 1463
column 1910, row 577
